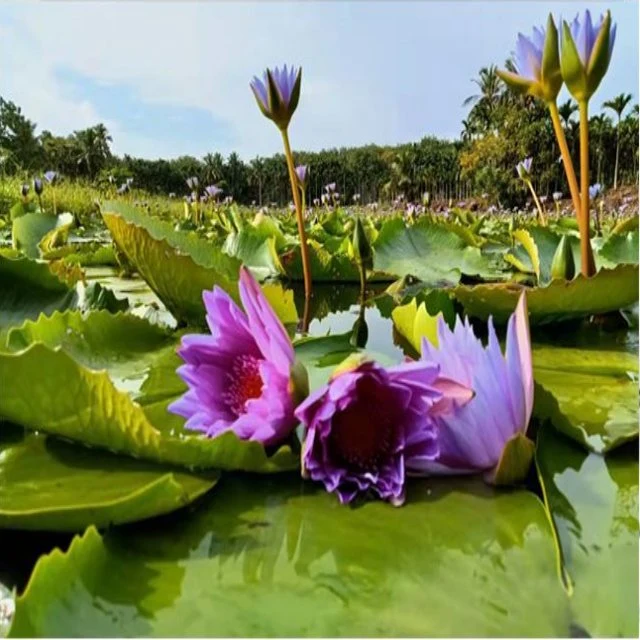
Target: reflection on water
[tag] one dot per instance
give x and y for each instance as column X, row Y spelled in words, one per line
column 276, row 557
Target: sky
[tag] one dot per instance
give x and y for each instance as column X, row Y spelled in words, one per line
column 172, row 78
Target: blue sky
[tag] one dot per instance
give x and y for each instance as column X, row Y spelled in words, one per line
column 170, row 78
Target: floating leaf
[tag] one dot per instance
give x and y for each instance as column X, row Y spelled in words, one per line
column 414, row 323
column 431, row 252
column 594, row 505
column 29, row 229
column 591, row 395
column 52, row 485
column 609, row 290
column 177, row 266
column 262, row 559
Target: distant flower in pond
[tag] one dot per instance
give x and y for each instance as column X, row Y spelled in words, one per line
column 316, row 202
column 129, row 181
column 356, row 197
column 278, row 93
column 543, row 199
column 472, row 437
column 370, row 425
column 38, row 186
column 411, row 209
column 557, row 195
column 213, row 191
column 595, row 190
column 123, row 188
column 172, row 195
column 292, row 207
column 301, row 173
column 228, row 200
column 51, row 177
column 192, row 183
column 24, row 190
column 242, row 377
column 524, row 168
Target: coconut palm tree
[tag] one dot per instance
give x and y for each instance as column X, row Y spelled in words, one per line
column 566, row 110
column 618, row 105
column 94, row 148
column 490, row 94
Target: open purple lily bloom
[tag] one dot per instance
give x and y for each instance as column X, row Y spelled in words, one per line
column 51, row 177
column 213, row 191
column 524, row 168
column 277, row 93
column 371, row 425
column 242, row 377
column 472, row 437
column 528, row 54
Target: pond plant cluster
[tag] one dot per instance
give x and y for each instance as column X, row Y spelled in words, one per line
column 231, row 467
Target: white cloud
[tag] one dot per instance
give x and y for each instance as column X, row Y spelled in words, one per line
column 373, row 72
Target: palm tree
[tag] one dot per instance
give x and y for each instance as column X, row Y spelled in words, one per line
column 566, row 110
column 617, row 104
column 94, row 148
column 490, row 94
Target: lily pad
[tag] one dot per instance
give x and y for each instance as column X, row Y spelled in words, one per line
column 620, row 248
column 52, row 485
column 178, row 266
column 30, row 229
column 95, row 406
column 609, row 290
column 590, row 395
column 432, row 252
column 593, row 502
column 263, row 559
column 29, row 288
column 255, row 249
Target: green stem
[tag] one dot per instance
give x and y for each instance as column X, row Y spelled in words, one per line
column 541, row 218
column 304, row 250
column 586, row 254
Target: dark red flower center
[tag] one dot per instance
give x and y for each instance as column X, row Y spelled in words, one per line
column 363, row 434
column 245, row 383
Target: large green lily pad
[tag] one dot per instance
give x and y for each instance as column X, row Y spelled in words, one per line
column 29, row 229
column 591, row 395
column 178, row 266
column 93, row 382
column 432, row 252
column 594, row 505
column 29, row 288
column 47, row 484
column 609, row 290
column 281, row 559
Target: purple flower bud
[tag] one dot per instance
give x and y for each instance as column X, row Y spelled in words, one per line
column 595, row 190
column 51, row 177
column 330, row 188
column 24, row 190
column 524, row 168
column 585, row 33
column 301, row 172
column 38, row 186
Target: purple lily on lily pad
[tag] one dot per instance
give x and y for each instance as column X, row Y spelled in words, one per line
column 472, row 437
column 242, row 377
column 278, row 93
column 371, row 425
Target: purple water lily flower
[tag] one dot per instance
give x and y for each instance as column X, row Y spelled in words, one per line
column 192, row 183
column 528, row 54
column 557, row 195
column 277, row 93
column 585, row 33
column 330, row 188
column 524, row 168
column 38, row 186
column 241, row 377
column 369, row 426
column 301, row 172
column 51, row 177
column 213, row 191
column 472, row 437
column 595, row 190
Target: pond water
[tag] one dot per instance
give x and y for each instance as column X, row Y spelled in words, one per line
column 273, row 556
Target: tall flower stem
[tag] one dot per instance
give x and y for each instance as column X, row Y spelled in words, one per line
column 541, row 217
column 299, row 214
column 586, row 254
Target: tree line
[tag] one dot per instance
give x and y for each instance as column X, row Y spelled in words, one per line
column 500, row 130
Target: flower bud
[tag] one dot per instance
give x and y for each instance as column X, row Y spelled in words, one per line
column 563, row 266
